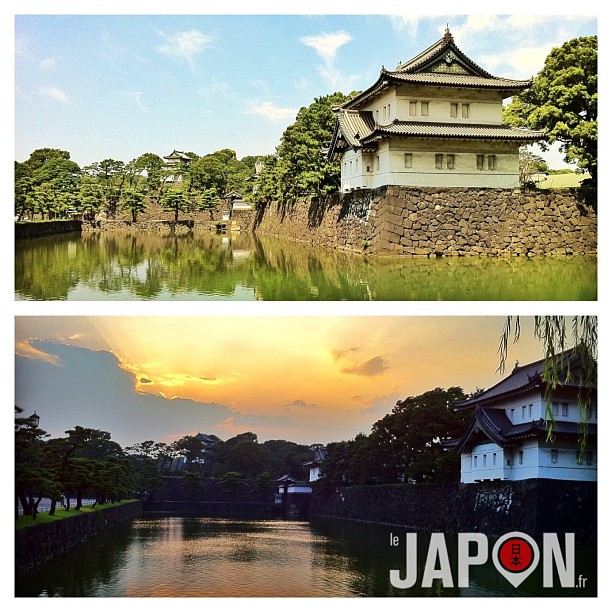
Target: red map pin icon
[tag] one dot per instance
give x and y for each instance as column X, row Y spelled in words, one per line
column 516, row 555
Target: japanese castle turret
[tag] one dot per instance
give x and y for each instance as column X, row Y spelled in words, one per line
column 434, row 121
column 522, row 429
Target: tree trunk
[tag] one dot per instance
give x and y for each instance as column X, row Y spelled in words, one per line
column 35, row 508
column 52, row 509
column 25, row 504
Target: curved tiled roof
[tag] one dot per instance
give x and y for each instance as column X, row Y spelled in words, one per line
column 434, row 66
column 355, row 126
column 447, row 43
column 454, row 130
column 496, row 426
column 523, row 379
column 459, row 80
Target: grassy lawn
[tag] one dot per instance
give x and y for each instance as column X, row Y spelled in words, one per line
column 61, row 514
column 562, row 181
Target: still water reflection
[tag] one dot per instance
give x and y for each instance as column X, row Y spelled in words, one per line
column 203, row 557
column 129, row 266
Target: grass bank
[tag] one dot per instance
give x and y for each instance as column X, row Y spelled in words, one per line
column 61, row 514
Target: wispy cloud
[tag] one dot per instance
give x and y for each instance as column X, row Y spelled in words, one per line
column 216, row 87
column 271, row 112
column 55, row 93
column 135, row 97
column 339, row 353
column 326, row 47
column 529, row 39
column 407, row 24
column 300, row 404
column 26, row 349
column 372, row 367
column 186, row 44
column 47, row 63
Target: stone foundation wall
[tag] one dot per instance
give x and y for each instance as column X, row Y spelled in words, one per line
column 45, row 228
column 532, row 506
column 38, row 543
column 425, row 222
column 156, row 220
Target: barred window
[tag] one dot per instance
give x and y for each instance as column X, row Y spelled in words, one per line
column 492, row 162
column 439, row 161
column 454, row 109
column 424, row 109
column 450, row 161
column 413, row 108
column 465, row 111
column 480, row 162
column 407, row 160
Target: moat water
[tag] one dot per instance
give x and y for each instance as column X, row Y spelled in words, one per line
column 170, row 556
column 140, row 266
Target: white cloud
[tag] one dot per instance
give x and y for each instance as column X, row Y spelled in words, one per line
column 524, row 63
column 216, row 87
column 326, row 45
column 47, row 63
column 527, row 38
column 55, row 93
column 303, row 84
column 407, row 24
column 186, row 44
column 22, row 47
column 271, row 112
column 135, row 96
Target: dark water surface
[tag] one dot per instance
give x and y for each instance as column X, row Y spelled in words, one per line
column 212, row 557
column 139, row 266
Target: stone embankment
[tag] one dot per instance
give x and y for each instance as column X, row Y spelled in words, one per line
column 426, row 222
column 45, row 228
column 409, row 221
column 494, row 508
column 42, row 542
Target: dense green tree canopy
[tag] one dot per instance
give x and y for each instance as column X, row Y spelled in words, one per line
column 219, row 171
column 300, row 167
column 404, row 445
column 563, row 100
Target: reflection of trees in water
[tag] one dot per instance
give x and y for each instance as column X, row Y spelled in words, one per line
column 169, row 555
column 82, row 571
column 148, row 266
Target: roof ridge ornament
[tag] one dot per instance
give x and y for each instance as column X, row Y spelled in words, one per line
column 448, row 37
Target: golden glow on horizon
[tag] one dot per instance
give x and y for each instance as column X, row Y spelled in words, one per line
column 327, row 369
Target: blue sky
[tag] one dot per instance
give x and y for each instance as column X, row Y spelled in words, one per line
column 116, row 86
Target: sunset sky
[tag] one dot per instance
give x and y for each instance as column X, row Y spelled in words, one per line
column 306, row 379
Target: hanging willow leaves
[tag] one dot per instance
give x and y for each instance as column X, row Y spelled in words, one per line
column 570, row 356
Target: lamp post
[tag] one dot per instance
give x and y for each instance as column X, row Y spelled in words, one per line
column 34, row 419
